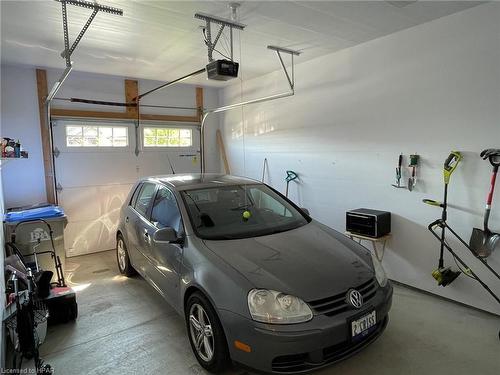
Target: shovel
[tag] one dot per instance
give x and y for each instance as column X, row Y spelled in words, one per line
column 483, row 242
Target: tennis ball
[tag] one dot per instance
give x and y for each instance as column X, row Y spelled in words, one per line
column 246, row 215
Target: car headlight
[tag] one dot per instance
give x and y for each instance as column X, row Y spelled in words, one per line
column 379, row 271
column 269, row 306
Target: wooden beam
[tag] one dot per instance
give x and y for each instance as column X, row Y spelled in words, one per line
column 60, row 112
column 42, row 91
column 222, row 149
column 199, row 102
column 131, row 92
column 170, row 118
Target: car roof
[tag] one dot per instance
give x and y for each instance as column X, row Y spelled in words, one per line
column 189, row 181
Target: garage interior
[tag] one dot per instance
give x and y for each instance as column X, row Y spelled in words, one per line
column 341, row 106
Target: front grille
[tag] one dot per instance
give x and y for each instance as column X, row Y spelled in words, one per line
column 296, row 363
column 336, row 304
column 291, row 363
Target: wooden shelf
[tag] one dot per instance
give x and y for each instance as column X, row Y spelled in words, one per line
column 366, row 238
column 4, row 161
column 381, row 240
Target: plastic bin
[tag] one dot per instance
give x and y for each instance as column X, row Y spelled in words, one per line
column 29, row 234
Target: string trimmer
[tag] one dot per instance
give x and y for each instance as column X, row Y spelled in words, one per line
column 445, row 275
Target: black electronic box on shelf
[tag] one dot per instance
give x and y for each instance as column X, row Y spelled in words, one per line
column 369, row 223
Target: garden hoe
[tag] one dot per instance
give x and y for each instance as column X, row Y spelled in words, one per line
column 399, row 174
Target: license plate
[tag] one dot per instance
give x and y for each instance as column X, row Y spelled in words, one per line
column 362, row 326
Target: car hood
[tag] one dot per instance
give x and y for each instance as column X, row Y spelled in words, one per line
column 310, row 262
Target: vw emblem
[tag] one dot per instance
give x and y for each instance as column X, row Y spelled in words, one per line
column 354, row 298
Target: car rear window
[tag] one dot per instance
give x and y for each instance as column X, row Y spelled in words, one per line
column 134, row 196
column 144, row 198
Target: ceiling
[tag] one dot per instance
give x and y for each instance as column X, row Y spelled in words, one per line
column 161, row 40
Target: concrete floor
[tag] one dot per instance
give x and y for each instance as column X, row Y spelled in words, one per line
column 125, row 327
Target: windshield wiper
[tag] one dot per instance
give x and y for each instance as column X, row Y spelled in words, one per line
column 192, row 200
column 206, row 221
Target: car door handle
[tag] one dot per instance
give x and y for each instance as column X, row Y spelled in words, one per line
column 146, row 237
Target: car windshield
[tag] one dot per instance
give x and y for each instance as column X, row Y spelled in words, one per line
column 240, row 211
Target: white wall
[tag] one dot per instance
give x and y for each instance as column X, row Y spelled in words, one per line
column 23, row 180
column 428, row 89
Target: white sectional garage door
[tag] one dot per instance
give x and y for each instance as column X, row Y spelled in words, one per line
column 96, row 165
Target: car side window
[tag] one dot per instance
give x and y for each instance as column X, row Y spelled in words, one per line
column 165, row 212
column 144, row 198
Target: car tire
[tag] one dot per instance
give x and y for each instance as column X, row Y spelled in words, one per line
column 122, row 257
column 219, row 359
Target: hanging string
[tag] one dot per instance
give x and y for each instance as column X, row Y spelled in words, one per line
column 242, row 113
column 243, row 128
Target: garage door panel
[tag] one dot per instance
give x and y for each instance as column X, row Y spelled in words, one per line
column 150, row 163
column 88, row 169
column 90, row 236
column 93, row 214
column 93, row 203
column 61, row 135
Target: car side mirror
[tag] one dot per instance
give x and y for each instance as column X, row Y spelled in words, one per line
column 166, row 234
column 306, row 211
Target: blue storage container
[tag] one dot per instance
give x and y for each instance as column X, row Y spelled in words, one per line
column 47, row 212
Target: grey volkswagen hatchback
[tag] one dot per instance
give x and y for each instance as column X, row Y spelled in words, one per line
column 258, row 281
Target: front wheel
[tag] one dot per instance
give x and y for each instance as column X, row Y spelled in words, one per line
column 206, row 334
column 122, row 257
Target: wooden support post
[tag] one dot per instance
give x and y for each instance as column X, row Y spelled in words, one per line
column 199, row 102
column 222, row 150
column 131, row 92
column 41, row 83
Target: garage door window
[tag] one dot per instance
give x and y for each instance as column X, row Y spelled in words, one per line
column 144, row 198
column 96, row 136
column 167, row 137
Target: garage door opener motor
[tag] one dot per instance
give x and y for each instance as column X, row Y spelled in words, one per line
column 225, row 69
